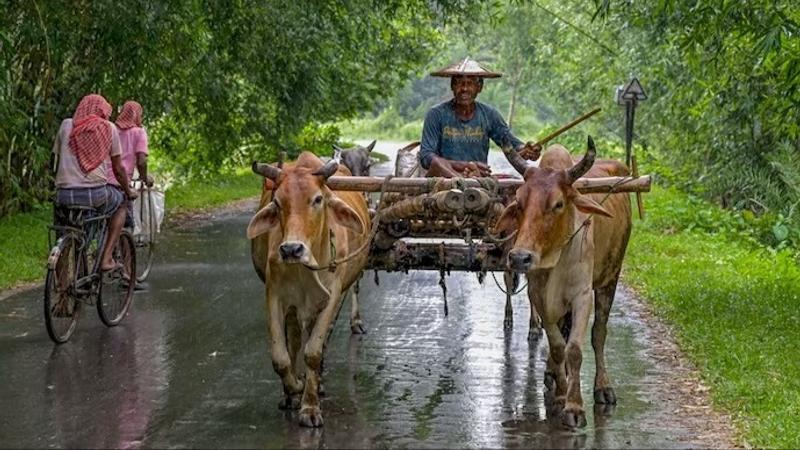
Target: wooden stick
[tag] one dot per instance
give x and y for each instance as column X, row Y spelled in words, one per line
column 639, row 203
column 424, row 185
column 566, row 127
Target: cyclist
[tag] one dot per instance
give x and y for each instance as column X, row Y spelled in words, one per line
column 82, row 145
column 133, row 141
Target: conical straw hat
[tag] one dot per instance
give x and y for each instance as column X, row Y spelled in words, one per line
column 466, row 67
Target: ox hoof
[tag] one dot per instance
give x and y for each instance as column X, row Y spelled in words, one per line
column 534, row 334
column 573, row 419
column 311, row 417
column 289, row 402
column 357, row 328
column 605, row 396
column 602, row 411
column 553, row 403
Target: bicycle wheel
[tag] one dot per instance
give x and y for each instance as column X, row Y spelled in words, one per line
column 146, row 241
column 116, row 287
column 61, row 306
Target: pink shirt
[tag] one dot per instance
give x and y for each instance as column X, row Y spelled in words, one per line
column 133, row 141
column 69, row 173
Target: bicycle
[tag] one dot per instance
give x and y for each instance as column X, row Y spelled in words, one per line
column 145, row 241
column 74, row 277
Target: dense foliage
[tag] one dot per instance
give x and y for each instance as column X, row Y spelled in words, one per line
column 722, row 118
column 221, row 82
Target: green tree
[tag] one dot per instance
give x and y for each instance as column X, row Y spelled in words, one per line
column 221, row 82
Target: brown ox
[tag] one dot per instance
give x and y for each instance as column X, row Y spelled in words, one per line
column 567, row 253
column 302, row 224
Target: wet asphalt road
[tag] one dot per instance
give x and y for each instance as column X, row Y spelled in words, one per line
column 190, row 367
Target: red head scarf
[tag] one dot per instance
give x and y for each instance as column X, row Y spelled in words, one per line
column 130, row 116
column 90, row 139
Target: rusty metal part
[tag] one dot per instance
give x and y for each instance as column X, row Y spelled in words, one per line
column 404, row 256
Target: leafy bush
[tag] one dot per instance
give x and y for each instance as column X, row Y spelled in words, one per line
column 316, row 138
column 673, row 211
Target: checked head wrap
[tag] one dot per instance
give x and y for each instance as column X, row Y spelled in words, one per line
column 90, row 139
column 130, row 116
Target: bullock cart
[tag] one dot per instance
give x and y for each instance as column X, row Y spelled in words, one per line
column 420, row 224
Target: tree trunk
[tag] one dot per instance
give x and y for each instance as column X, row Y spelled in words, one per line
column 512, row 104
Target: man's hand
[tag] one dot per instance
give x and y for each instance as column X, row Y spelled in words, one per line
column 441, row 167
column 471, row 168
column 149, row 181
column 131, row 194
column 530, row 151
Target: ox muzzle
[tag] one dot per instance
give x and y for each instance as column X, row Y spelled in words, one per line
column 521, row 260
column 294, row 252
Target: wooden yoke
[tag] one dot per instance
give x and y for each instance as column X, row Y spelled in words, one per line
column 427, row 185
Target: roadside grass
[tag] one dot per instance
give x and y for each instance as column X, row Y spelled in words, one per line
column 736, row 309
column 23, row 247
column 206, row 194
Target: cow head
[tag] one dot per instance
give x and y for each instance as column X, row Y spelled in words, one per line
column 357, row 159
column 302, row 209
column 545, row 207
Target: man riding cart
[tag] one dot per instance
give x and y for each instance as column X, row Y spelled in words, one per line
column 456, row 133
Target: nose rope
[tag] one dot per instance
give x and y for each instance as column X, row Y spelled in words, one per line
column 524, row 285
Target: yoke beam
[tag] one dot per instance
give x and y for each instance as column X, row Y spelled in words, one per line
column 426, row 185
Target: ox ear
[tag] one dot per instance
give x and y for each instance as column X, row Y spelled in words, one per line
column 345, row 215
column 371, row 146
column 508, row 220
column 589, row 206
column 264, row 219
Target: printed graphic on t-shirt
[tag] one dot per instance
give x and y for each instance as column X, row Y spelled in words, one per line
column 464, row 134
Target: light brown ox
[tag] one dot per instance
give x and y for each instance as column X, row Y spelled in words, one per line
column 292, row 230
column 569, row 245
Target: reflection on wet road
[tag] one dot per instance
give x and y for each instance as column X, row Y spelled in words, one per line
column 190, row 367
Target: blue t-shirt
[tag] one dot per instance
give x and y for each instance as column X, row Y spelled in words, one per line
column 445, row 135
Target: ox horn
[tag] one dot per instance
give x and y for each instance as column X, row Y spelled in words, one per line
column 337, row 153
column 583, row 166
column 518, row 162
column 266, row 170
column 328, row 169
